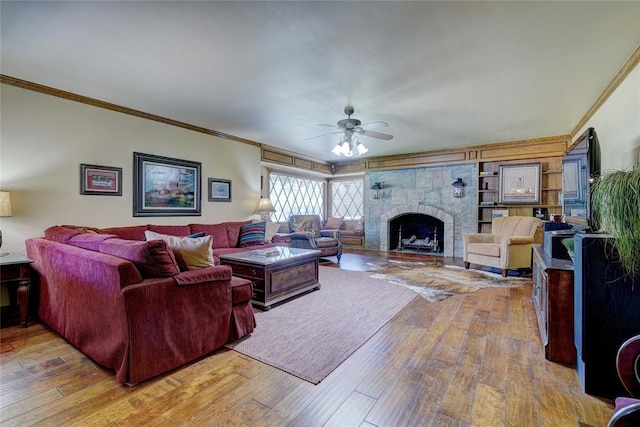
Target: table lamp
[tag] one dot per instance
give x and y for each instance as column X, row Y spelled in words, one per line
column 5, row 210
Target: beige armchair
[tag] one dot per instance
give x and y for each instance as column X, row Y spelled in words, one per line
column 508, row 247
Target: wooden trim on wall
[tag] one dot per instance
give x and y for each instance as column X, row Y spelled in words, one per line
column 287, row 158
column 512, row 150
column 626, row 69
column 23, row 84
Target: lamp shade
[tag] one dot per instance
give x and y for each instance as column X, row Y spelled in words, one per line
column 5, row 203
column 264, row 205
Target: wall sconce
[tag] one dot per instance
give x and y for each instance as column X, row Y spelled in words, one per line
column 375, row 190
column 458, row 188
column 265, row 207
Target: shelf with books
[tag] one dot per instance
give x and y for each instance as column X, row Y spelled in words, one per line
column 489, row 190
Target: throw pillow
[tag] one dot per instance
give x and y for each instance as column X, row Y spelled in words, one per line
column 153, row 258
column 252, row 234
column 191, row 252
column 271, row 229
column 334, row 223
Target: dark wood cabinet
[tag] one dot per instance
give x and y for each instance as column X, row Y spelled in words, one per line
column 553, row 301
column 607, row 313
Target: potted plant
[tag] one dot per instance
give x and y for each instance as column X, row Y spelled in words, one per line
column 568, row 244
column 615, row 198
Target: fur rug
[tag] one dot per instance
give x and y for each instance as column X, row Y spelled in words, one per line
column 435, row 282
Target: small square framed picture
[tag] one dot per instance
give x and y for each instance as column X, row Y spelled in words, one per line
column 219, row 190
column 100, row 180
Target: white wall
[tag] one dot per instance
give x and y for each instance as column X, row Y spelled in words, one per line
column 617, row 124
column 43, row 140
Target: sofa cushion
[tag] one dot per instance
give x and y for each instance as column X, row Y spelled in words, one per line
column 191, row 253
column 134, row 232
column 84, row 229
column 488, row 249
column 251, row 234
column 171, row 230
column 217, row 231
column 334, row 223
column 60, row 234
column 90, row 241
column 153, row 258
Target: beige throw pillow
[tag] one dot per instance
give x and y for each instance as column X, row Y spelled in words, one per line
column 195, row 252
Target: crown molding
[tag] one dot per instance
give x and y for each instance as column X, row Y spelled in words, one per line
column 626, row 69
column 47, row 90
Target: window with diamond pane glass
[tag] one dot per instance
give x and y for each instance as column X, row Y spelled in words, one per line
column 294, row 195
column 347, row 198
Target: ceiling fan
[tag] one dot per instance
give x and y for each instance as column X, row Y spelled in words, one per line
column 351, row 128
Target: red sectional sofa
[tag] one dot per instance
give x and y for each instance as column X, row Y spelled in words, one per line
column 125, row 302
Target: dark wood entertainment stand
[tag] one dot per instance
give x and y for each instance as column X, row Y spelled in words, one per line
column 276, row 277
column 553, row 302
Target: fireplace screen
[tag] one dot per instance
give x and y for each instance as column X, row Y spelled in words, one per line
column 416, row 233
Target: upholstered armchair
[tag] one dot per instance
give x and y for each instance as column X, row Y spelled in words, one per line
column 305, row 234
column 508, row 247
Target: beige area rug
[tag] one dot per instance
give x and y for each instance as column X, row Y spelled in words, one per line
column 435, row 282
column 313, row 334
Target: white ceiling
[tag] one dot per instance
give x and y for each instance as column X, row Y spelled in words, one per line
column 442, row 74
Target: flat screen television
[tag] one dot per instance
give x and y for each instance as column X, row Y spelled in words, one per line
column 580, row 166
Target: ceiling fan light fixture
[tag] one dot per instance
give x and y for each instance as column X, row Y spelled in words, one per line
column 346, row 149
column 361, row 148
column 337, row 149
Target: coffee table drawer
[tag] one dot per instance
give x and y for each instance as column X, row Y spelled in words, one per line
column 247, row 271
column 287, row 279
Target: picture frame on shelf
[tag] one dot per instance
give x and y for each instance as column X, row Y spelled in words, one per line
column 520, row 184
column 98, row 180
column 499, row 213
column 542, row 213
column 571, row 184
column 165, row 186
column 219, row 190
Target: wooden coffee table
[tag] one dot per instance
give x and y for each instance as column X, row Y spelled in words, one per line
column 277, row 274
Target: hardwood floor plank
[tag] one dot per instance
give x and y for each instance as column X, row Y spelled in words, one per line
column 426, row 401
column 352, row 411
column 488, row 406
column 113, row 412
column 521, row 403
column 458, row 399
column 390, row 407
column 90, row 397
column 29, row 404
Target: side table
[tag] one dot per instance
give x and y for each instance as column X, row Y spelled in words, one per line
column 15, row 272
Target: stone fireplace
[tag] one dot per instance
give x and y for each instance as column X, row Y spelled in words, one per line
column 427, row 223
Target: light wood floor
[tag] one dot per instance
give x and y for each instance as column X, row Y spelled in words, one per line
column 471, row 360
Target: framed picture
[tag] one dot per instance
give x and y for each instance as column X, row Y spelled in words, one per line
column 100, row 180
column 571, row 185
column 219, row 190
column 163, row 186
column 499, row 213
column 520, row 184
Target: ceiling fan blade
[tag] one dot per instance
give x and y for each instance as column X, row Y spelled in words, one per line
column 324, row 134
column 378, row 135
column 375, row 125
column 324, row 124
